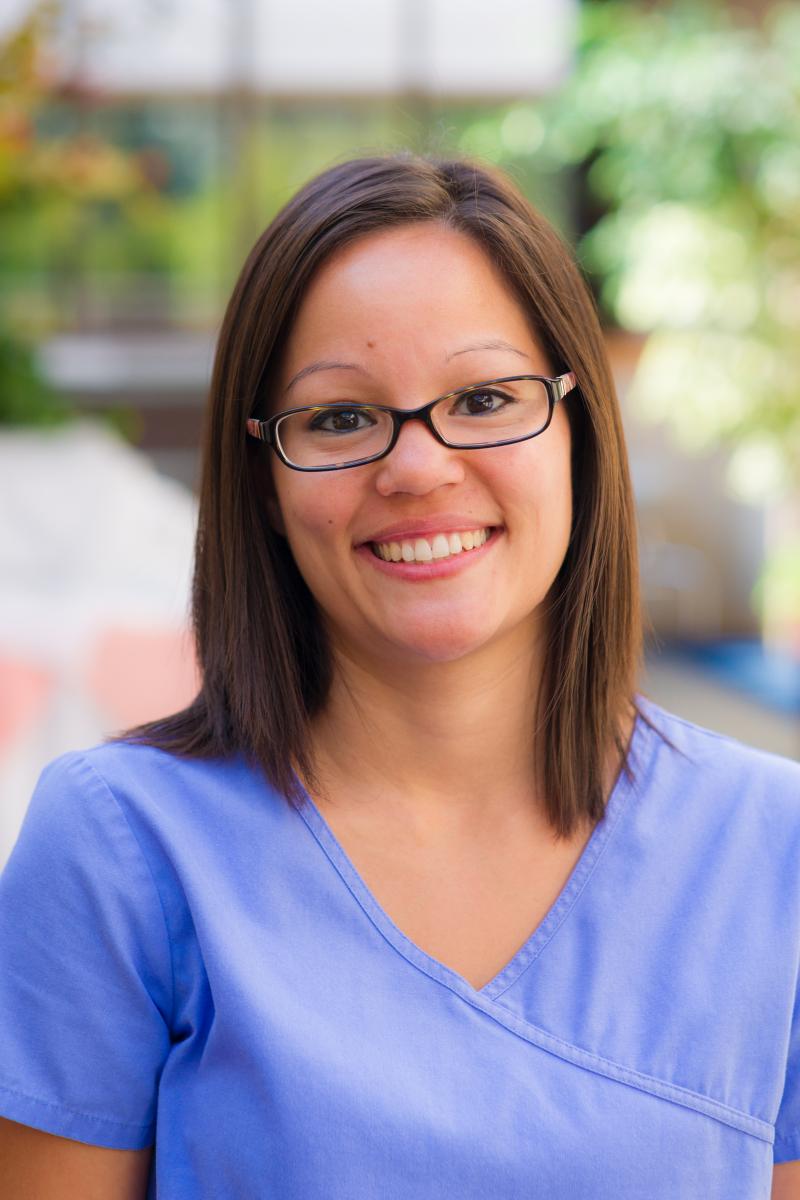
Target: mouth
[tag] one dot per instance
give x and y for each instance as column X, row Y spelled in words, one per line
column 434, row 549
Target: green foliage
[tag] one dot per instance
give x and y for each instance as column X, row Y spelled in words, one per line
column 25, row 398
column 72, row 205
column 691, row 129
column 691, row 126
column 686, row 127
column 779, row 586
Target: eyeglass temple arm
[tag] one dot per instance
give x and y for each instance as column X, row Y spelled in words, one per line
column 565, row 383
column 257, row 429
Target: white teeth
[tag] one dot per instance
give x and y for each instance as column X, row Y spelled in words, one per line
column 442, row 545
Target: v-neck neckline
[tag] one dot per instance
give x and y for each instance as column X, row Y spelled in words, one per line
column 541, row 935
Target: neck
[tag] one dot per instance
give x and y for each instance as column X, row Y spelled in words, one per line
column 443, row 742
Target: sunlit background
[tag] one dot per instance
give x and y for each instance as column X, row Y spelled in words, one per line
column 143, row 146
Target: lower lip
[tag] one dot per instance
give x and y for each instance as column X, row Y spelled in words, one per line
column 439, row 568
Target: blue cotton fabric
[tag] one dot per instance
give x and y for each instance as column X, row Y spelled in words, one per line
column 187, row 960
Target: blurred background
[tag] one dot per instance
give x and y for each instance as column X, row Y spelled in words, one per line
column 143, row 147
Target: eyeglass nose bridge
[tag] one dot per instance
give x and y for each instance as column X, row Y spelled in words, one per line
column 423, row 414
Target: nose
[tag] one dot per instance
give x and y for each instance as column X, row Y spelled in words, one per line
column 418, row 463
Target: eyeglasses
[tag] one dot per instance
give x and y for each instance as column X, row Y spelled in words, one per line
column 332, row 437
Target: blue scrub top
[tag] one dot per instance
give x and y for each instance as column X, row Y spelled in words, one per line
column 186, row 959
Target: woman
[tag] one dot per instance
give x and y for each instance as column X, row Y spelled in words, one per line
column 419, row 897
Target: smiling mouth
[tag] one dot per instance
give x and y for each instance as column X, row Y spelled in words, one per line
column 433, row 549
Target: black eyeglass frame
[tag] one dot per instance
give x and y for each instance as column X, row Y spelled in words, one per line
column 265, row 431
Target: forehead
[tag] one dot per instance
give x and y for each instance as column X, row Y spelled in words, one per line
column 415, row 289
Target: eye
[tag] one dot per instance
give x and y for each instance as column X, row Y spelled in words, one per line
column 482, row 402
column 341, row 420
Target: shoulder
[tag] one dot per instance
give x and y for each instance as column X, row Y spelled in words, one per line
column 165, row 799
column 709, row 777
column 716, row 755
column 129, row 768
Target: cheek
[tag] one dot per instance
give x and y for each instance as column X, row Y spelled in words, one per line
column 539, row 484
column 315, row 512
column 556, row 512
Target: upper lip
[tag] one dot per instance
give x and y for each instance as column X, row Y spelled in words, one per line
column 425, row 527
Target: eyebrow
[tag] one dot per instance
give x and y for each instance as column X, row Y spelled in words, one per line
column 324, row 365
column 491, row 344
column 335, row 365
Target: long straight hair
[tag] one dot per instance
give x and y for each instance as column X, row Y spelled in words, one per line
column 265, row 663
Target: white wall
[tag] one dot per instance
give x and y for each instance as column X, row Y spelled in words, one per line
column 466, row 48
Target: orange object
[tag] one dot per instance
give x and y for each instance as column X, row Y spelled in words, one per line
column 138, row 675
column 24, row 691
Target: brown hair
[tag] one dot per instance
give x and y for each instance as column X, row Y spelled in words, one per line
column 265, row 664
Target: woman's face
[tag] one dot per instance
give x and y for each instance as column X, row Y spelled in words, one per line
column 418, row 311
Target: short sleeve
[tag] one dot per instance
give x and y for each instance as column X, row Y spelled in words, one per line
column 787, row 1123
column 85, row 967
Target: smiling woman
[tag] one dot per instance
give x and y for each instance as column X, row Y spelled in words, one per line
column 514, row 498
column 420, row 887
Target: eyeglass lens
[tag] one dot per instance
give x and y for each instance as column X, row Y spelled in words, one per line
column 335, row 435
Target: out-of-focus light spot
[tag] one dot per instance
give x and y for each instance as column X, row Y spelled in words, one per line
column 644, row 303
column 777, row 592
column 682, row 268
column 703, row 384
column 522, row 131
column 778, row 179
column 676, row 382
column 783, row 298
column 757, row 470
column 737, row 305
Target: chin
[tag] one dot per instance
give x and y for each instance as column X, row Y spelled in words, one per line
column 442, row 642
